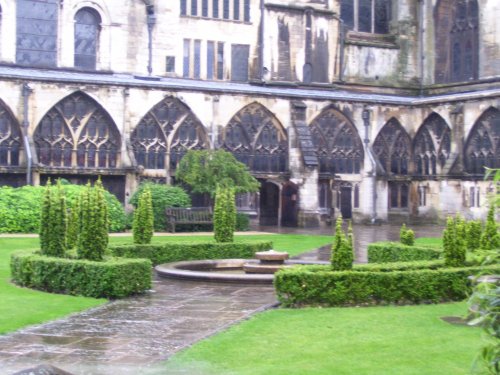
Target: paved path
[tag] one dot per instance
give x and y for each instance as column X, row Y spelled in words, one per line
column 130, row 336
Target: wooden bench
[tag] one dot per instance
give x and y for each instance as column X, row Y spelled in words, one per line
column 193, row 215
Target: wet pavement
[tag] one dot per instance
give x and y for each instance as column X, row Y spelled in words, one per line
column 131, row 336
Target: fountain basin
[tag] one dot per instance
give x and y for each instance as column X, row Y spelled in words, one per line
column 221, row 270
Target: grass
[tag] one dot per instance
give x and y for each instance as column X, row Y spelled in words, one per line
column 429, row 241
column 21, row 306
column 409, row 340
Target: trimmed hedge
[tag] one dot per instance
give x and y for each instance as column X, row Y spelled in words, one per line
column 175, row 252
column 385, row 252
column 113, row 278
column 306, row 285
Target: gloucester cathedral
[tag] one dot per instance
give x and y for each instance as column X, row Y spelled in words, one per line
column 375, row 110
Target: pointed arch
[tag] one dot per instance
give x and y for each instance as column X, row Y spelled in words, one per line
column 11, row 143
column 482, row 148
column 256, row 137
column 393, row 148
column 77, row 132
column 337, row 143
column 456, row 40
column 431, row 146
column 149, row 138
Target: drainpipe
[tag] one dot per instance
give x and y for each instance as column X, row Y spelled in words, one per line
column 151, row 21
column 373, row 172
column 421, row 45
column 26, row 91
column 261, row 37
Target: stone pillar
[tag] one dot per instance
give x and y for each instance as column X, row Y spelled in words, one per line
column 304, row 167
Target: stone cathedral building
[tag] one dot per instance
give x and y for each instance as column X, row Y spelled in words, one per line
column 373, row 109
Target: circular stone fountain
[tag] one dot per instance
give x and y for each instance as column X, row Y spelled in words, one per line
column 255, row 271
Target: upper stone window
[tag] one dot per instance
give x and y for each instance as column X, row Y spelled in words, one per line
column 368, row 16
column 87, row 27
column 236, row 10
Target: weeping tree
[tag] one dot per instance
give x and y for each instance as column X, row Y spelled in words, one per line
column 204, row 170
column 53, row 221
column 143, row 224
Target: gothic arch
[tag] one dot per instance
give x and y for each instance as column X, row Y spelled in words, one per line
column 456, row 40
column 393, row 148
column 482, row 148
column 256, row 137
column 431, row 146
column 149, row 139
column 11, row 143
column 77, row 132
column 337, row 143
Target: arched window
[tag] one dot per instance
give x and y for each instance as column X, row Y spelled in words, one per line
column 77, row 132
column 87, row 27
column 149, row 138
column 431, row 147
column 369, row 16
column 256, row 138
column 482, row 148
column 337, row 143
column 190, row 135
column 393, row 148
column 456, row 40
column 10, row 139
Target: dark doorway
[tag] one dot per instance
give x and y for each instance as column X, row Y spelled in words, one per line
column 346, row 202
column 289, row 204
column 269, row 203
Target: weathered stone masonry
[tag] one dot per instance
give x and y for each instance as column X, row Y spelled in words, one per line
column 374, row 119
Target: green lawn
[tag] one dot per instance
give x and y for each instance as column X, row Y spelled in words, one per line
column 20, row 307
column 429, row 241
column 409, row 340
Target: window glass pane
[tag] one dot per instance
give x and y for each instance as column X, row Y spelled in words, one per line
column 225, row 10
column 404, row 196
column 185, row 68
column 194, row 7
column 347, row 13
column 220, row 60
column 204, row 8
column 210, row 60
column 246, row 11
column 365, row 16
column 215, row 9
column 236, row 9
column 197, row 52
column 183, row 7
column 393, row 192
column 382, row 16
column 239, row 62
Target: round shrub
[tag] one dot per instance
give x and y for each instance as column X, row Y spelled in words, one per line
column 20, row 208
column 162, row 196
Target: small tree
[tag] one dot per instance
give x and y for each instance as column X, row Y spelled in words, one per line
column 143, row 219
column 473, row 234
column 204, row 170
column 406, row 236
column 45, row 219
column 224, row 214
column 73, row 228
column 342, row 251
column 53, row 222
column 93, row 238
column 490, row 239
column 454, row 245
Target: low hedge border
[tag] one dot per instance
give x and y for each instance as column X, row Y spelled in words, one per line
column 385, row 252
column 112, row 278
column 317, row 285
column 176, row 252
